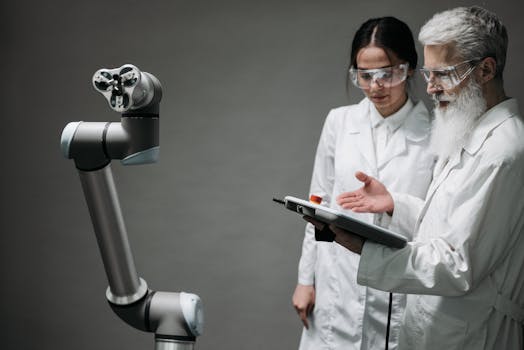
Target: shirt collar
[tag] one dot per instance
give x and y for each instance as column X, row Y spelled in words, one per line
column 489, row 121
column 394, row 121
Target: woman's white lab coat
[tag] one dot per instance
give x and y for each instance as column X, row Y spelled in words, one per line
column 464, row 270
column 348, row 316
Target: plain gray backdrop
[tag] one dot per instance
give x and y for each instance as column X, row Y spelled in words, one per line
column 247, row 85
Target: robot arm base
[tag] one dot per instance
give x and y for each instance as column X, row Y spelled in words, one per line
column 164, row 343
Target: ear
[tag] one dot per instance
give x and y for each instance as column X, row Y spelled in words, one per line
column 487, row 70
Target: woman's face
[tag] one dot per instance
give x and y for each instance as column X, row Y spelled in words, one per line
column 387, row 100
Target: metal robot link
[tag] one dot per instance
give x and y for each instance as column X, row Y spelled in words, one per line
column 176, row 319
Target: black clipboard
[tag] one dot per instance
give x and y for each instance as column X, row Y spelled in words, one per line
column 331, row 216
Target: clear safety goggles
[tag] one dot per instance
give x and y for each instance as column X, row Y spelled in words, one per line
column 447, row 78
column 384, row 77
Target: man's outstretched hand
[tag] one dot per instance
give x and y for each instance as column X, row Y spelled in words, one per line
column 373, row 197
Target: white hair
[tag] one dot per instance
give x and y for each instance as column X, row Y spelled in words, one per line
column 476, row 33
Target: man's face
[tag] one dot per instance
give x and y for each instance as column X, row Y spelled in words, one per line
column 458, row 108
column 437, row 57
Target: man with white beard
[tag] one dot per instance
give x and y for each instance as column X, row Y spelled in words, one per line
column 462, row 271
column 455, row 122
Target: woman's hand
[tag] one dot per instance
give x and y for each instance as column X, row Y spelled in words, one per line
column 304, row 301
column 318, row 224
column 373, row 197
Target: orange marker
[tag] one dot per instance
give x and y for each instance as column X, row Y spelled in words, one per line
column 315, row 199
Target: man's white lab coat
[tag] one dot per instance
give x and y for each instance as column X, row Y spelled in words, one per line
column 346, row 315
column 464, row 269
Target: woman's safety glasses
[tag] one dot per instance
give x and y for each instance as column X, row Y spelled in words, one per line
column 447, row 78
column 384, row 77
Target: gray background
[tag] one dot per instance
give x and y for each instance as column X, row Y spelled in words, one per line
column 247, row 85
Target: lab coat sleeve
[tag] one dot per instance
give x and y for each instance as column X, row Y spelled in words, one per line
column 485, row 219
column 306, row 266
column 405, row 213
column 321, row 185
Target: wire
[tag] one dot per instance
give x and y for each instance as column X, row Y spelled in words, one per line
column 389, row 319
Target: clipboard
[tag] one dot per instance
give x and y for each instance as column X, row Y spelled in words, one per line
column 331, row 216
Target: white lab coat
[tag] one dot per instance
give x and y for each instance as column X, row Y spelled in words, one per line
column 348, row 316
column 464, row 268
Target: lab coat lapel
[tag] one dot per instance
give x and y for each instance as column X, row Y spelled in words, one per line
column 437, row 181
column 412, row 129
column 487, row 123
column 396, row 146
column 366, row 147
column 362, row 126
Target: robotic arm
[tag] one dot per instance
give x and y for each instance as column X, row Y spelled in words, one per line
column 176, row 319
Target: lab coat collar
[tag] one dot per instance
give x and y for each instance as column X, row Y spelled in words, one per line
column 412, row 130
column 490, row 120
column 393, row 121
column 359, row 118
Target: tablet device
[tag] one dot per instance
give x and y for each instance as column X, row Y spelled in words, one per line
column 331, row 216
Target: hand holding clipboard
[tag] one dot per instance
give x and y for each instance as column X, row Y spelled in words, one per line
column 339, row 219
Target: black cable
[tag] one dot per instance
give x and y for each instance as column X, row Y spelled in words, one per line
column 389, row 319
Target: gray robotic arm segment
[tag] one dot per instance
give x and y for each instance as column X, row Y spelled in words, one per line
column 133, row 140
column 84, row 142
column 175, row 318
column 93, row 145
column 111, row 234
column 171, row 316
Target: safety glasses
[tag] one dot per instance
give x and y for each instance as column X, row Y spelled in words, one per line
column 447, row 78
column 384, row 77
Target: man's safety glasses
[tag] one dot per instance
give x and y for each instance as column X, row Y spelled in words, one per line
column 384, row 77
column 447, row 78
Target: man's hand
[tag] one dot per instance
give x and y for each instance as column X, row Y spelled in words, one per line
column 304, row 301
column 348, row 240
column 373, row 197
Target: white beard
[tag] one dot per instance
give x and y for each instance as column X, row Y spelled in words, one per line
column 454, row 123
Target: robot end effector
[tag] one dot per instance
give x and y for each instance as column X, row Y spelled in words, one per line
column 133, row 140
column 128, row 89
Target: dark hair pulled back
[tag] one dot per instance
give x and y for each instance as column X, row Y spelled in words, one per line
column 388, row 33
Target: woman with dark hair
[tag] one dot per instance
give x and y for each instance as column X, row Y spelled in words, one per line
column 386, row 135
